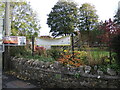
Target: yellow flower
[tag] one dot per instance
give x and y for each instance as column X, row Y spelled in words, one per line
column 65, row 50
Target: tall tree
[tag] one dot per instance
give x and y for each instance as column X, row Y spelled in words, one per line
column 117, row 17
column 2, row 6
column 24, row 20
column 108, row 29
column 87, row 19
column 63, row 18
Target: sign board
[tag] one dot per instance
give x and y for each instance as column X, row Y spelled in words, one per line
column 1, row 47
column 14, row 40
column 63, row 41
column 1, row 36
column 21, row 40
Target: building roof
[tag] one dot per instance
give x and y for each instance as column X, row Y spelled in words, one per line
column 45, row 37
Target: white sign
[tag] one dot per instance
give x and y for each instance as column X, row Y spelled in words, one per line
column 14, row 40
column 1, row 48
column 1, row 36
column 63, row 41
column 21, row 40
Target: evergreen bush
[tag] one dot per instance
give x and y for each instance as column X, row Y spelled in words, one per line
column 115, row 46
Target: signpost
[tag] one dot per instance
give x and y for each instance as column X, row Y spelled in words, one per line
column 14, row 40
column 2, row 48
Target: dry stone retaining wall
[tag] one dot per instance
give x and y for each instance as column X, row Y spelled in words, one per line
column 56, row 75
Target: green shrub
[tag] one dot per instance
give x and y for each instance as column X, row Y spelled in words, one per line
column 40, row 51
column 115, row 45
column 18, row 51
column 112, row 66
column 77, row 75
column 54, row 53
column 40, row 58
column 46, row 59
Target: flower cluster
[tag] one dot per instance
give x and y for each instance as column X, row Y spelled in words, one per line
column 81, row 54
column 40, row 50
column 68, row 59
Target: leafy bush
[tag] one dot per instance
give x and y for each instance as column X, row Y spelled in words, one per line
column 19, row 51
column 113, row 66
column 46, row 59
column 82, row 55
column 67, row 59
column 38, row 57
column 54, row 53
column 115, row 45
column 40, row 50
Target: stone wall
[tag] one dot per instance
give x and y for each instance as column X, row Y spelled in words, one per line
column 57, row 75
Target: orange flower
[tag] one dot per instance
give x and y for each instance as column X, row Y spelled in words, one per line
column 66, row 59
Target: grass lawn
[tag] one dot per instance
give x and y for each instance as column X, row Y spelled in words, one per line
column 99, row 54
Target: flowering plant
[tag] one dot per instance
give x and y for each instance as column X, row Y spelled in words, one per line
column 68, row 59
column 40, row 50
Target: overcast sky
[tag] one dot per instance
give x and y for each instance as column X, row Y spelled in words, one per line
column 105, row 9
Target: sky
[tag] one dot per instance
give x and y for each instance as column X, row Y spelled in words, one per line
column 105, row 9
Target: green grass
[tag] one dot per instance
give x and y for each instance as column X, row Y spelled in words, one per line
column 99, row 54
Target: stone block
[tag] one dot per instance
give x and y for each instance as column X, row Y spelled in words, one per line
column 64, row 70
column 81, row 69
column 36, row 63
column 95, row 67
column 99, row 72
column 51, row 66
column 41, row 64
column 47, row 64
column 56, row 65
column 87, row 69
column 111, row 72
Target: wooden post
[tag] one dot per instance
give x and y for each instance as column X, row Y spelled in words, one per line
column 72, row 46
column 32, row 45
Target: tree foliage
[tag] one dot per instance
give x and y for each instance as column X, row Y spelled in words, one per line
column 117, row 17
column 63, row 18
column 88, row 17
column 24, row 20
column 109, row 29
column 88, row 20
column 2, row 6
